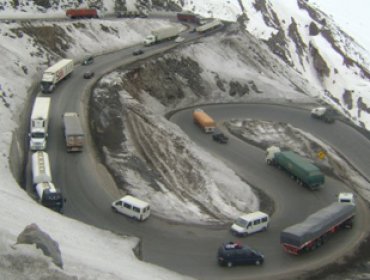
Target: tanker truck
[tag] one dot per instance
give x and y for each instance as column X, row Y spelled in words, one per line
column 314, row 231
column 55, row 74
column 299, row 168
column 205, row 122
column 162, row 34
column 47, row 194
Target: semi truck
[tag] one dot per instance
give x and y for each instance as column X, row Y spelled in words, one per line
column 39, row 123
column 54, row 74
column 161, row 35
column 47, row 194
column 74, row 135
column 204, row 121
column 82, row 13
column 303, row 171
column 208, row 26
column 313, row 232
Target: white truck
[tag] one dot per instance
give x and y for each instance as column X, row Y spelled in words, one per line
column 209, row 26
column 45, row 190
column 55, row 74
column 162, row 34
column 74, row 135
column 39, row 123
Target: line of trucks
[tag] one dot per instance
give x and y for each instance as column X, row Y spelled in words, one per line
column 46, row 192
column 172, row 32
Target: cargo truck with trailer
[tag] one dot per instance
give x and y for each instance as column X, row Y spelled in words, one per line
column 314, row 231
column 73, row 133
column 299, row 168
column 161, row 35
column 82, row 13
column 204, row 121
column 47, row 194
column 208, row 26
column 56, row 73
column 39, row 123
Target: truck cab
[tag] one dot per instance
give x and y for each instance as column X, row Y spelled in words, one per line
column 270, row 154
column 149, row 40
column 346, row 197
column 38, row 140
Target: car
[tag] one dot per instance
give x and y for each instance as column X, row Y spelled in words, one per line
column 88, row 60
column 219, row 137
column 234, row 253
column 89, row 75
column 324, row 114
column 179, row 39
column 138, row 52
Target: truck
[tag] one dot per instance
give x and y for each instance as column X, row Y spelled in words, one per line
column 299, row 168
column 47, row 194
column 54, row 74
column 323, row 113
column 314, row 231
column 204, row 121
column 74, row 135
column 161, row 35
column 82, row 13
column 188, row 17
column 208, row 26
column 39, row 123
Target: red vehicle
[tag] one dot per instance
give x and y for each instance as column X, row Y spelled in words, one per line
column 188, row 17
column 82, row 13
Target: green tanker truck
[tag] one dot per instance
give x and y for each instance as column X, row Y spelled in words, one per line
column 303, row 171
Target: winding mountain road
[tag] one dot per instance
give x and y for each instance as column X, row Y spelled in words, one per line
column 191, row 250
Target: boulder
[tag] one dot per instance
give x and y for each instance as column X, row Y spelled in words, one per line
column 32, row 234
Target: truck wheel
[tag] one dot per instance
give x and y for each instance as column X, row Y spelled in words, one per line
column 268, row 161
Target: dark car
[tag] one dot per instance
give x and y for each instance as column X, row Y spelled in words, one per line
column 231, row 253
column 138, row 52
column 218, row 136
column 88, row 75
column 88, row 60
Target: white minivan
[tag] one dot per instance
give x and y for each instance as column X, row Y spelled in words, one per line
column 250, row 223
column 132, row 207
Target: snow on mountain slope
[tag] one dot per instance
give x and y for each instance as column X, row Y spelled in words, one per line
column 310, row 42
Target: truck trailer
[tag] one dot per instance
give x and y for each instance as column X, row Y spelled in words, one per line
column 303, row 171
column 55, row 74
column 74, row 135
column 40, row 168
column 39, row 123
column 204, row 121
column 47, row 194
column 316, row 228
column 82, row 13
column 162, row 34
column 188, row 17
column 208, row 26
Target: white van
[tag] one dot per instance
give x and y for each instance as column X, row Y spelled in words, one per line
column 132, row 207
column 250, row 223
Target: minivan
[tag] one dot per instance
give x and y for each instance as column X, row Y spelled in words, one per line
column 232, row 253
column 250, row 223
column 132, row 207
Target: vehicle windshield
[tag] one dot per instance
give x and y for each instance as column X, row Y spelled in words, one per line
column 38, row 135
column 241, row 222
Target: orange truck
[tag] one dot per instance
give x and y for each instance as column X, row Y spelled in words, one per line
column 204, row 121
